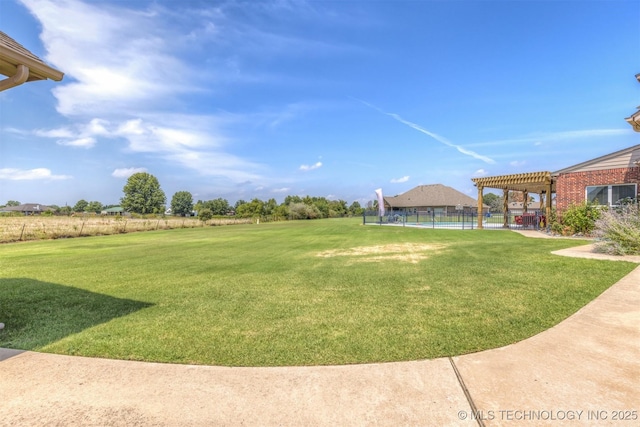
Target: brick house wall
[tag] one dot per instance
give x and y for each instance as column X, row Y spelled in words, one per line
column 571, row 187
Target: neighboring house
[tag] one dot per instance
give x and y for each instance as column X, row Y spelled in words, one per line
column 517, row 208
column 436, row 198
column 604, row 180
column 27, row 209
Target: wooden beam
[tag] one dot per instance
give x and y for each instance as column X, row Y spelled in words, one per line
column 480, row 205
column 505, row 205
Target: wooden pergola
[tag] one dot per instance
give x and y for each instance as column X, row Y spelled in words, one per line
column 541, row 183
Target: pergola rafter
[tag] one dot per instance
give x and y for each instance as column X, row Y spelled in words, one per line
column 530, row 182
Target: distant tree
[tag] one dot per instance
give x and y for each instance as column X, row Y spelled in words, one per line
column 321, row 204
column 292, row 199
column 80, row 206
column 303, row 211
column 281, row 212
column 65, row 210
column 93, row 207
column 205, row 214
column 13, row 203
column 493, row 201
column 239, row 203
column 337, row 208
column 517, row 196
column 182, row 203
column 254, row 208
column 219, row 206
column 355, row 209
column 270, row 207
column 143, row 195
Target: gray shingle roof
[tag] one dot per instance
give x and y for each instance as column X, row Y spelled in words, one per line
column 431, row 195
column 26, row 207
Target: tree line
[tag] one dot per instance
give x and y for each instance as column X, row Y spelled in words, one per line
column 143, row 195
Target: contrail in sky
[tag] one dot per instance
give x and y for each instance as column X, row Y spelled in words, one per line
column 431, row 134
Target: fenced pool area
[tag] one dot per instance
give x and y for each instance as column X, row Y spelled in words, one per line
column 464, row 220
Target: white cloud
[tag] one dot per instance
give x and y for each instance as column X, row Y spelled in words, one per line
column 86, row 142
column 517, row 163
column 538, row 139
column 30, row 174
column 400, row 180
column 126, row 172
column 62, row 132
column 306, row 168
column 281, row 190
column 148, row 136
column 112, row 57
column 433, row 135
column 480, row 172
column 126, row 67
column 79, row 135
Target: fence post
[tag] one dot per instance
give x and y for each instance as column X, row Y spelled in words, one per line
column 22, row 232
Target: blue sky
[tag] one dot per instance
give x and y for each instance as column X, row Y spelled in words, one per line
column 244, row 99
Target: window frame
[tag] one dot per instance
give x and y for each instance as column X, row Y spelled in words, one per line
column 609, row 188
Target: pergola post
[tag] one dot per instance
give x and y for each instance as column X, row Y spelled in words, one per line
column 480, row 204
column 525, row 201
column 505, row 208
column 547, row 211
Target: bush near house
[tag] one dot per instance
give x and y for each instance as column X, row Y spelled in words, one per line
column 619, row 230
column 577, row 219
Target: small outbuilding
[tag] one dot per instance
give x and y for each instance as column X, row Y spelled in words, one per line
column 115, row 211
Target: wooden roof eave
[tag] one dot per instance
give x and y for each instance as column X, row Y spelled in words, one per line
column 634, row 121
column 10, row 59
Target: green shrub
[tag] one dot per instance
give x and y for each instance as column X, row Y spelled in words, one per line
column 619, row 230
column 205, row 214
column 580, row 219
column 554, row 222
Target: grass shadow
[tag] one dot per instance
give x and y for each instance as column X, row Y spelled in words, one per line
column 38, row 313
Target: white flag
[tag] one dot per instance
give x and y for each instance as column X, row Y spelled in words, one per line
column 380, row 202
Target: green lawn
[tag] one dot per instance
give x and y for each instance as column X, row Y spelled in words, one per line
column 294, row 293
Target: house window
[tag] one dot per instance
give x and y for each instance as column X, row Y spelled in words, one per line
column 609, row 195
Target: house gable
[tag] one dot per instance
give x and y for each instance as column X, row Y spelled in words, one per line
column 615, row 169
column 627, row 158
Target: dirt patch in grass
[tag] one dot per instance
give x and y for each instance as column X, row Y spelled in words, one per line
column 404, row 252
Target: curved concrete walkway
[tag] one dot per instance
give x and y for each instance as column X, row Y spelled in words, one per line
column 584, row 371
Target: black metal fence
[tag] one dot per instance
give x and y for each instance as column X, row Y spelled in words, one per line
column 460, row 220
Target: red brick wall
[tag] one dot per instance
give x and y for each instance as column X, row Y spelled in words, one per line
column 571, row 187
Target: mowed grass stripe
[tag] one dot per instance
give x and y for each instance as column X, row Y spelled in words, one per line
column 294, row 293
